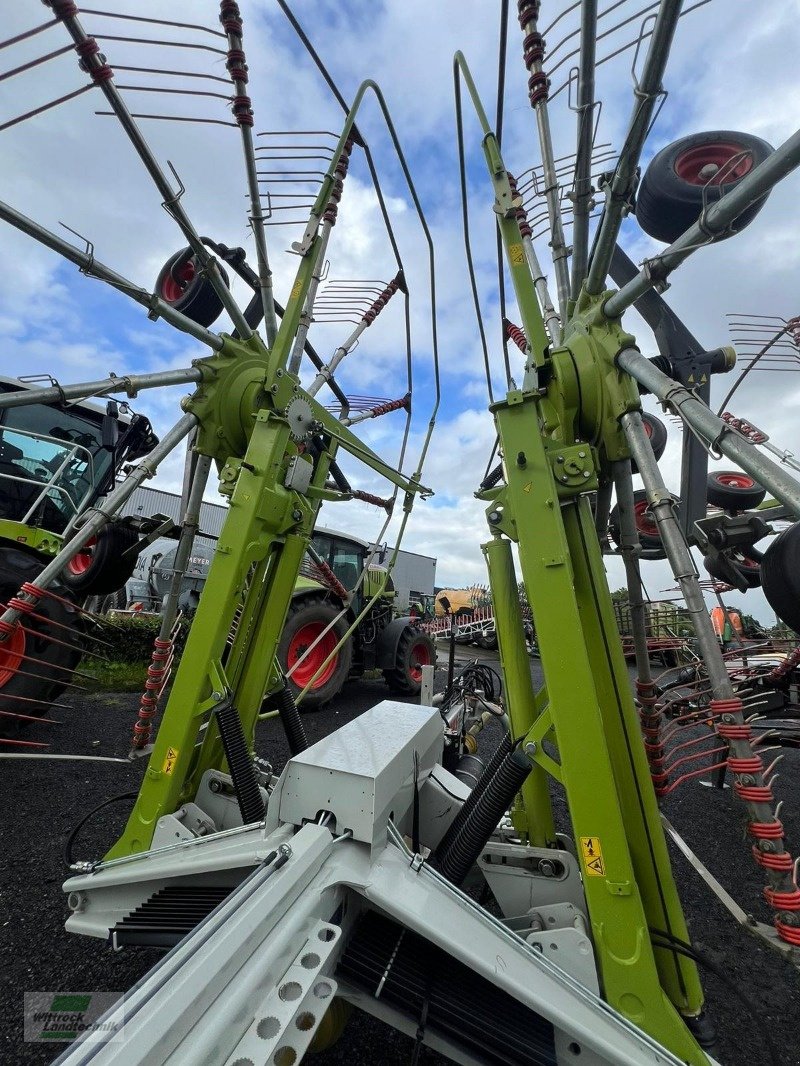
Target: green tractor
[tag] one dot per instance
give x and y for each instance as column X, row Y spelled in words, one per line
column 56, row 461
column 327, row 594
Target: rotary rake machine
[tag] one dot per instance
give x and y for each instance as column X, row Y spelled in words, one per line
column 349, row 878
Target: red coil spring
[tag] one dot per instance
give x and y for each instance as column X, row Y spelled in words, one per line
column 528, row 11
column 160, row 661
column 517, row 336
column 392, row 405
column 88, row 48
column 381, row 302
column 63, row 9
column 230, row 17
column 367, row 497
column 519, row 212
column 332, row 210
column 789, row 663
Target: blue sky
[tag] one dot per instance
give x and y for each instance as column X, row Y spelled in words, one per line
column 70, row 165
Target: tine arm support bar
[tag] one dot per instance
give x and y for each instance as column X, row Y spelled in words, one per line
column 696, row 415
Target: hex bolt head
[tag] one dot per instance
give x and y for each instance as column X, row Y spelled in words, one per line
column 495, row 516
column 297, row 514
column 530, row 748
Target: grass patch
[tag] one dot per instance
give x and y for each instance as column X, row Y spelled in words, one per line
column 114, row 676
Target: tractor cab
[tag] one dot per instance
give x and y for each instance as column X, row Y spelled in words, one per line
column 58, row 459
column 346, row 556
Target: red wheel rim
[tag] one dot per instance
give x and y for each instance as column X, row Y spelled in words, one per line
column 12, row 652
column 744, row 561
column 81, row 562
column 648, row 426
column 175, row 284
column 645, row 523
column 690, row 165
column 419, row 656
column 303, row 639
column 735, row 481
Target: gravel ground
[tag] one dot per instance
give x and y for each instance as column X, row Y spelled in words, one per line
column 43, row 801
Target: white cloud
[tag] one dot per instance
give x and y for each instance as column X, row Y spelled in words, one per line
column 71, row 165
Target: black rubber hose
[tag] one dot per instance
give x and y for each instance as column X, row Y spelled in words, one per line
column 68, row 859
column 456, row 861
column 240, row 764
column 290, row 720
column 501, row 751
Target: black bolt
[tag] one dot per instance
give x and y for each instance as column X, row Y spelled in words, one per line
column 521, row 459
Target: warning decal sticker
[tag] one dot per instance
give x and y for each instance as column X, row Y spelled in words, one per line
column 169, row 762
column 592, row 854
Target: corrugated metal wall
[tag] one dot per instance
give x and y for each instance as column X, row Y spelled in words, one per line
column 147, row 501
column 412, row 573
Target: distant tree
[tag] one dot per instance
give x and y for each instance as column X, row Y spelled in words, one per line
column 619, row 596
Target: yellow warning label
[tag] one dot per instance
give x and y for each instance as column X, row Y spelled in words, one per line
column 593, row 857
column 297, row 288
column 169, row 762
column 517, row 255
column 690, row 379
column 528, row 487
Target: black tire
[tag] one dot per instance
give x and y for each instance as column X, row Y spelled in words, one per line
column 30, row 687
column 649, row 537
column 780, row 576
column 309, row 615
column 746, row 563
column 415, row 649
column 101, row 567
column 670, row 195
column 487, row 642
column 181, row 286
column 115, row 601
column 733, row 490
column 657, row 432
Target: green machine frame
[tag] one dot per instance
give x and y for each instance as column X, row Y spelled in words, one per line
column 552, row 432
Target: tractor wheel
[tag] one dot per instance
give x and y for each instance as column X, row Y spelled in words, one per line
column 34, row 669
column 657, row 432
column 487, row 641
column 414, row 650
column 733, row 490
column 694, row 172
column 182, row 286
column 780, row 576
column 746, row 563
column 646, row 527
column 100, row 567
column 307, row 618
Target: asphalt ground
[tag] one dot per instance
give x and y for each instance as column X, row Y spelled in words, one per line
column 42, row 801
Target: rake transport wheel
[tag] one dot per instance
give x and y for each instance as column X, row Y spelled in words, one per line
column 414, row 650
column 693, row 172
column 34, row 669
column 747, row 564
column 307, row 618
column 733, row 490
column 102, row 566
column 181, row 284
column 780, row 576
column 646, row 527
column 657, row 433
